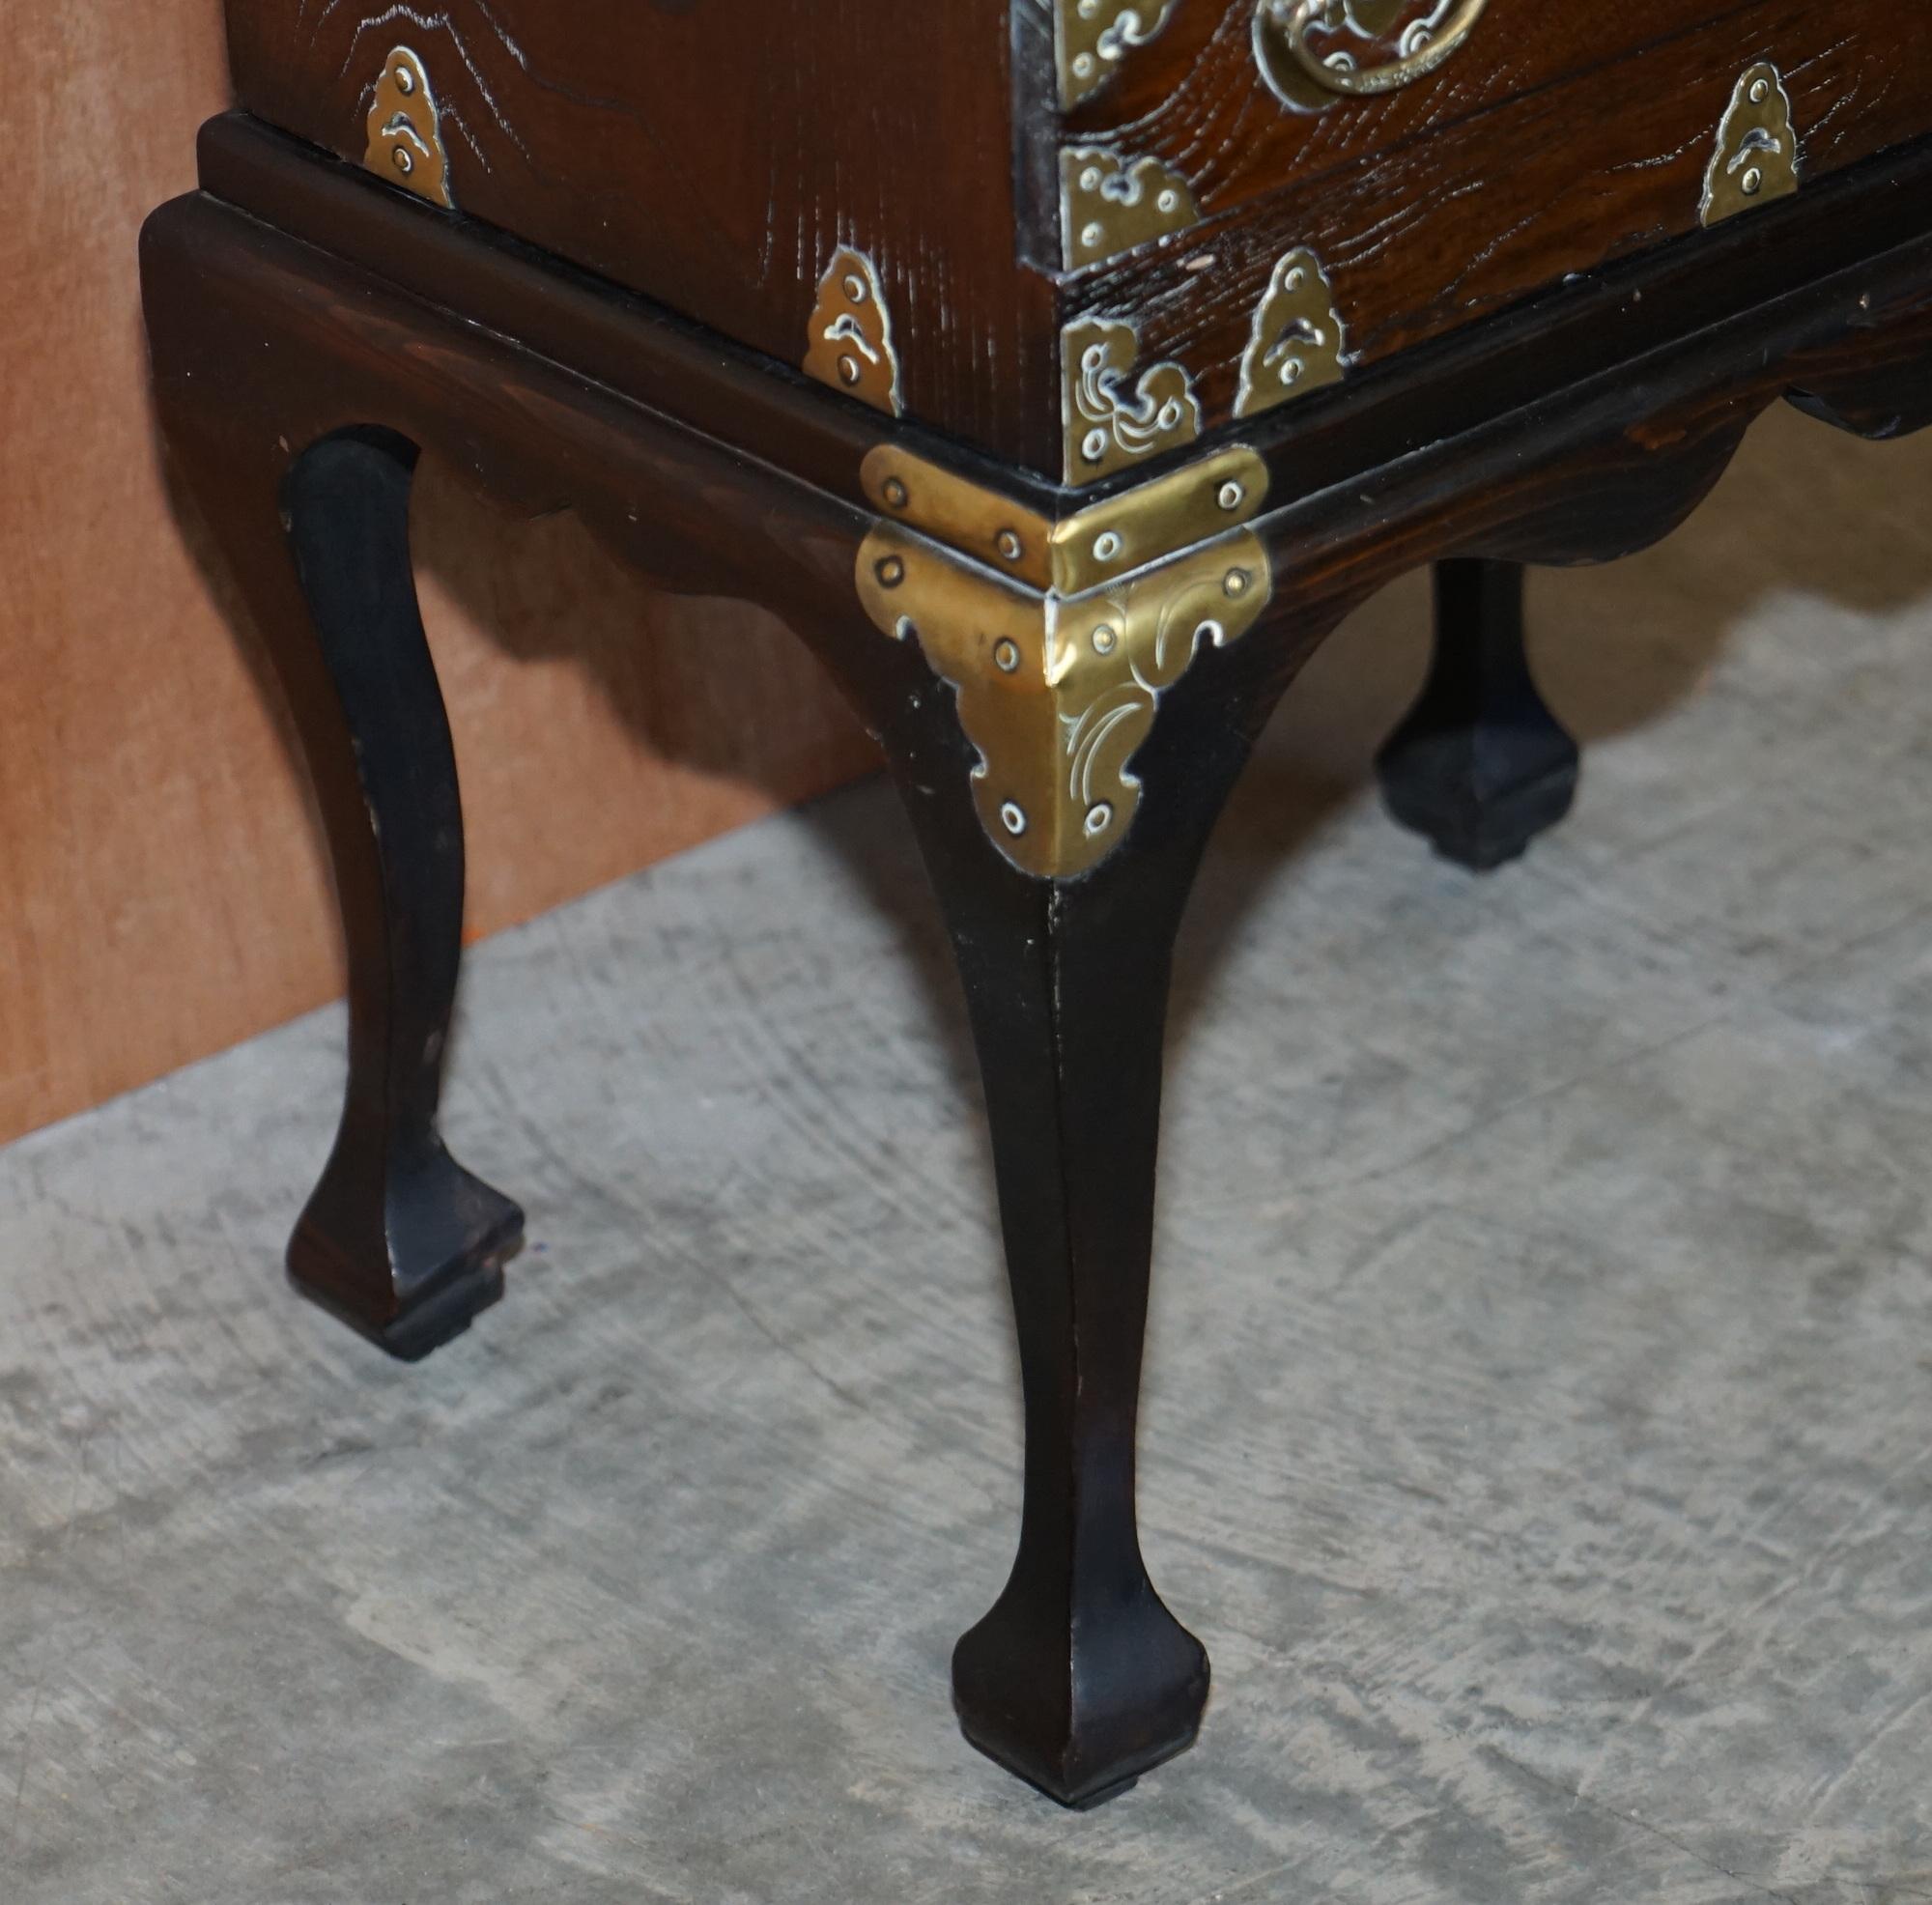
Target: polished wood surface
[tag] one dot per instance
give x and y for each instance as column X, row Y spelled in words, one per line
column 1444, row 225
column 166, row 890
column 716, row 158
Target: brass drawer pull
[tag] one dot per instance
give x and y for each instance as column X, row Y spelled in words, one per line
column 1292, row 19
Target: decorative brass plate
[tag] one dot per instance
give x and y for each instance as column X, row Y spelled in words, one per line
column 1297, row 341
column 1106, row 428
column 1756, row 158
column 1099, row 544
column 404, row 132
column 1091, row 37
column 849, row 338
column 1057, row 693
column 1108, row 204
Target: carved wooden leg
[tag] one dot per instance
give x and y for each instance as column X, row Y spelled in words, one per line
column 1479, row 765
column 398, row 1238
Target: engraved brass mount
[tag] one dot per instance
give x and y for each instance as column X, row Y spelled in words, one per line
column 405, row 132
column 1756, row 156
column 1060, row 637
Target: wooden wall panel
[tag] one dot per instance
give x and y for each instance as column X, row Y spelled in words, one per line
column 161, row 888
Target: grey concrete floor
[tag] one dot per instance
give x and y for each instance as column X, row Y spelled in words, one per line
column 1539, row 1385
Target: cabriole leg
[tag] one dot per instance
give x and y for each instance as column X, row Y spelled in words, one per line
column 1479, row 765
column 398, row 1238
column 1079, row 1678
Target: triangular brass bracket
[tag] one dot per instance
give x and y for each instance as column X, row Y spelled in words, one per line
column 405, row 130
column 1756, row 156
column 1058, row 688
column 1297, row 341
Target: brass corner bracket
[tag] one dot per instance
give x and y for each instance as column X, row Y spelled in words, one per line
column 1060, row 638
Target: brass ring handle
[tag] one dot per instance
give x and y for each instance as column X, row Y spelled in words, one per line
column 1295, row 16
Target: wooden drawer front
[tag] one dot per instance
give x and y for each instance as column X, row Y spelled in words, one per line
column 1194, row 95
column 1478, row 208
column 716, row 156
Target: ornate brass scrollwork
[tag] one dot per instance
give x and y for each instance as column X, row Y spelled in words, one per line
column 1057, row 693
column 1109, row 426
column 1303, row 47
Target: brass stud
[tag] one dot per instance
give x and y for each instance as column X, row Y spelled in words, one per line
column 1106, row 546
column 1760, row 91
column 1008, row 544
column 406, row 82
column 1005, row 655
column 1752, row 183
column 1104, row 640
column 849, row 370
column 855, row 290
column 891, row 571
column 1013, row 817
column 405, row 160
column 1099, row 817
column 896, row 493
column 1236, row 583
column 1230, row 496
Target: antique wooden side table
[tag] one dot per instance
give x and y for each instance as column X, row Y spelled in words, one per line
column 1063, row 372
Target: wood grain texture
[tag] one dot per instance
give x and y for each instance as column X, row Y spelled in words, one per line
column 164, row 888
column 1435, row 231
column 717, row 158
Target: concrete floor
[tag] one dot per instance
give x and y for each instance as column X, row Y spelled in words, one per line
column 1538, row 1397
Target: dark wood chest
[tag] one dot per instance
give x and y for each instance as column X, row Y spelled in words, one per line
column 1077, row 234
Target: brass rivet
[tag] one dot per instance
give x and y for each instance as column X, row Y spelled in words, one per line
column 1008, row 544
column 1760, row 91
column 1168, row 200
column 1752, row 182
column 1230, row 496
column 849, row 370
column 891, row 571
column 405, row 160
column 1091, row 236
column 1007, row 655
column 896, row 493
column 1100, row 816
column 1089, row 179
column 855, row 291
column 1235, row 583
column 1106, row 546
column 406, row 82
column 1083, row 64
column 1104, row 640
column 1013, row 817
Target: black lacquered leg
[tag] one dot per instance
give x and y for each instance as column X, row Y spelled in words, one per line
column 1479, row 765
column 1079, row 1678
column 398, row 1238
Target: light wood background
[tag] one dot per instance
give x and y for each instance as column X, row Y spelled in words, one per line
column 162, row 890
